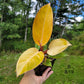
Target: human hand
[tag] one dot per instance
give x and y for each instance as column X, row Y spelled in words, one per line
column 31, row 78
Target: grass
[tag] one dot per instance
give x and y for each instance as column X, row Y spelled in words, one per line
column 67, row 70
column 7, row 68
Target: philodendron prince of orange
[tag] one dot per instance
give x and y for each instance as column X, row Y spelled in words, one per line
column 41, row 31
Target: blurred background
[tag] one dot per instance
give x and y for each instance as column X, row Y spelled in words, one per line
column 16, row 19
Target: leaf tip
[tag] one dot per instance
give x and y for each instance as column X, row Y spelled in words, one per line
column 17, row 75
column 49, row 4
column 70, row 44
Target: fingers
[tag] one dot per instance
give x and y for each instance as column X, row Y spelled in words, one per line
column 47, row 73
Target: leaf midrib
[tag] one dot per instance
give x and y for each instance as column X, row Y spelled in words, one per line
column 28, row 60
column 43, row 26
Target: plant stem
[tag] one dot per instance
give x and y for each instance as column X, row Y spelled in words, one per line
column 41, row 48
column 45, row 52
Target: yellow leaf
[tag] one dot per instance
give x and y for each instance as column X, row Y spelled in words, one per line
column 29, row 60
column 57, row 46
column 42, row 25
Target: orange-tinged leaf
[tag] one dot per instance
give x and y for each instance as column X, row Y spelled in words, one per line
column 57, row 46
column 29, row 60
column 42, row 25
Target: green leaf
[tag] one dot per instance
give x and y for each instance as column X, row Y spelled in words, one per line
column 47, row 62
column 45, row 47
column 36, row 46
column 59, row 55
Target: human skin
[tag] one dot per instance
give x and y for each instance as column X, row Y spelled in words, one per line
column 30, row 77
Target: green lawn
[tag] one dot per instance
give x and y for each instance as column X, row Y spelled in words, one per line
column 7, row 68
column 68, row 70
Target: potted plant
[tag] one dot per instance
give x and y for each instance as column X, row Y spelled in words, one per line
column 37, row 59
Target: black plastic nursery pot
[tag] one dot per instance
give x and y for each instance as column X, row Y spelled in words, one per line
column 41, row 68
